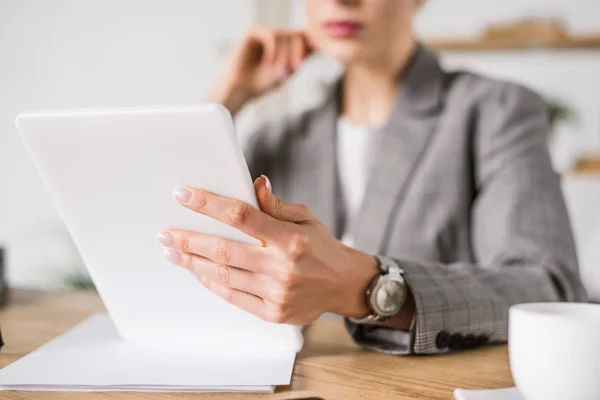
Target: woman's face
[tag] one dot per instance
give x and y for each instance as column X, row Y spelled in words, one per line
column 351, row 30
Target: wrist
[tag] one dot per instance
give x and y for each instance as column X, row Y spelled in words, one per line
column 352, row 301
column 231, row 96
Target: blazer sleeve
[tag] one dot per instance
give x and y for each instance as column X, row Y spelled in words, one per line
column 258, row 152
column 521, row 240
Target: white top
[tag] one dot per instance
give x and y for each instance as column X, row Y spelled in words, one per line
column 355, row 144
column 355, row 155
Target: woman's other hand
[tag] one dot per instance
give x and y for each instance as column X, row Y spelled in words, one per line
column 300, row 271
column 262, row 60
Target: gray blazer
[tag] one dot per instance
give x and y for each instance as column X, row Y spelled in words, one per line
column 462, row 195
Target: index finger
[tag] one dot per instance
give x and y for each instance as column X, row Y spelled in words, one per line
column 232, row 212
column 266, row 38
column 310, row 42
column 298, row 52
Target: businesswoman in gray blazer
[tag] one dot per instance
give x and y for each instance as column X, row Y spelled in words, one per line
column 418, row 203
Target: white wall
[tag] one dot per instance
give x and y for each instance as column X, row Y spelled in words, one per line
column 571, row 75
column 89, row 53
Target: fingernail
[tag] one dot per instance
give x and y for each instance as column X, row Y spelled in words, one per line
column 172, row 255
column 165, row 238
column 268, row 183
column 182, row 195
column 283, row 74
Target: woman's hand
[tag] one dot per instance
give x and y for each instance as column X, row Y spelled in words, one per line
column 300, row 271
column 261, row 61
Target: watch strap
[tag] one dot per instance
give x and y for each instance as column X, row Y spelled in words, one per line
column 386, row 266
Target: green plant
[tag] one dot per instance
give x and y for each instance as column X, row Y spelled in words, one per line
column 79, row 280
column 559, row 111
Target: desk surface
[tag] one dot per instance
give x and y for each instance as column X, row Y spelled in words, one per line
column 330, row 365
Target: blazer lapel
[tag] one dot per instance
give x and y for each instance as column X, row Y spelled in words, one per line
column 399, row 150
column 314, row 181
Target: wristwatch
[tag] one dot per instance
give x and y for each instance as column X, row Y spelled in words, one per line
column 386, row 294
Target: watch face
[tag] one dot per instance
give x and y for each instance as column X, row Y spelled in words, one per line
column 388, row 297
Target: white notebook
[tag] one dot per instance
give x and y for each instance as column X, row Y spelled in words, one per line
column 492, row 394
column 93, row 357
column 112, row 174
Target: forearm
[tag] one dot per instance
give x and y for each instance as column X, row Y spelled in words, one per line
column 361, row 269
column 226, row 93
column 464, row 305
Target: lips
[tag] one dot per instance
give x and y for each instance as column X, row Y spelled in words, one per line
column 342, row 29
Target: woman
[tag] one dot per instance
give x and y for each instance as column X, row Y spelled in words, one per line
column 438, row 184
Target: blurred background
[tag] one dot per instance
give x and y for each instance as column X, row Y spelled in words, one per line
column 90, row 53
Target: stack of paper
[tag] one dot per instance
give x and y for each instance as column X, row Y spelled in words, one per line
column 494, row 394
column 93, row 357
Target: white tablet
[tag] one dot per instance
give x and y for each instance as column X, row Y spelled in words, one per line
column 112, row 174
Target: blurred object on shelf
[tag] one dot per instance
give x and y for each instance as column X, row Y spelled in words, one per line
column 588, row 163
column 534, row 31
column 521, row 34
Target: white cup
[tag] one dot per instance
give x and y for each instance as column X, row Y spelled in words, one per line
column 554, row 350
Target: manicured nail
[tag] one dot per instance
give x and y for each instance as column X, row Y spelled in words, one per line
column 172, row 255
column 165, row 238
column 182, row 195
column 283, row 74
column 268, row 183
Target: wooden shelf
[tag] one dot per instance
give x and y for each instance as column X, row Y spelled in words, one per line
column 587, row 164
column 591, row 42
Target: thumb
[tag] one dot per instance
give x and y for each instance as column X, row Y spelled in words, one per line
column 310, row 41
column 277, row 208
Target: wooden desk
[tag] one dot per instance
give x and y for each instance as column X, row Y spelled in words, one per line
column 330, row 366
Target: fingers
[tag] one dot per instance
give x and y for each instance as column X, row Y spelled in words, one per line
column 255, row 293
column 267, row 40
column 268, row 311
column 300, row 48
column 282, row 55
column 238, row 298
column 235, row 213
column 298, row 51
column 272, row 205
column 309, row 42
column 221, row 251
column 226, row 275
column 283, row 50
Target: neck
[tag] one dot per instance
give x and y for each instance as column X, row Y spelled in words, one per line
column 369, row 87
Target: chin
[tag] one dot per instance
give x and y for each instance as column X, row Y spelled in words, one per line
column 345, row 53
